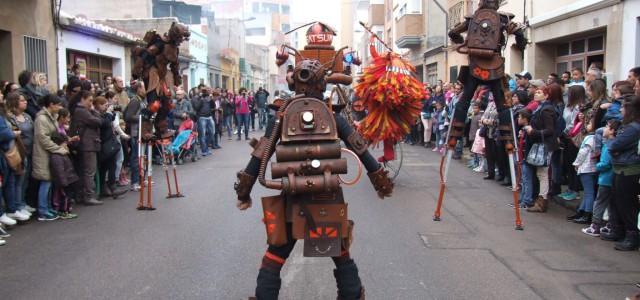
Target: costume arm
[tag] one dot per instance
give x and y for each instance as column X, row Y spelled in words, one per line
column 247, row 177
column 455, row 34
column 517, row 30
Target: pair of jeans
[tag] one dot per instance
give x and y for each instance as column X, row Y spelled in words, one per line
column 44, row 192
column 243, row 120
column 589, row 183
column 23, row 183
column 526, row 184
column 10, row 190
column 133, row 162
column 262, row 117
column 603, row 199
column 206, row 131
column 228, row 123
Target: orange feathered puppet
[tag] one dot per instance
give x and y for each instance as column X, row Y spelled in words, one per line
column 393, row 97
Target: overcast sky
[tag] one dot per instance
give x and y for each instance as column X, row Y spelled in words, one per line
column 327, row 11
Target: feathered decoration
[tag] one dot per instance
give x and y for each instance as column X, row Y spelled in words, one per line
column 392, row 96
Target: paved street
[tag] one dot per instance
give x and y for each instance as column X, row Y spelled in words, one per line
column 202, row 247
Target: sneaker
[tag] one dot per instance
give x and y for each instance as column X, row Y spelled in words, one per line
column 521, row 205
column 6, row 220
column 4, row 233
column 67, row 216
column 18, row 216
column 606, row 229
column 570, row 196
column 2, row 242
column 26, row 212
column 593, row 230
column 47, row 217
column 29, row 209
column 435, row 149
column 135, row 187
column 152, row 182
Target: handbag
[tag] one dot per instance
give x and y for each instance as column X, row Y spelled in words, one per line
column 14, row 159
column 538, row 154
column 482, row 132
column 109, row 148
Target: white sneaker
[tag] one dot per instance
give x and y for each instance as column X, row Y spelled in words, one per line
column 24, row 211
column 2, row 242
column 18, row 216
column 6, row 220
column 29, row 209
column 135, row 187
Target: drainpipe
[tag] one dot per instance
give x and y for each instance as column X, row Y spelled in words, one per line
column 55, row 16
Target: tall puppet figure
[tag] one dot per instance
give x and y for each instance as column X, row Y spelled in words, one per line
column 157, row 65
column 487, row 32
column 305, row 135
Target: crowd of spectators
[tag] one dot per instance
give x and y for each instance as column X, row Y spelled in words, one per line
column 576, row 140
column 78, row 145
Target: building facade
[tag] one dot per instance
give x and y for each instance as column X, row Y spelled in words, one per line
column 25, row 44
column 198, row 72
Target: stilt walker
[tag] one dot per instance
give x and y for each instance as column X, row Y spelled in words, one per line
column 157, row 65
column 486, row 37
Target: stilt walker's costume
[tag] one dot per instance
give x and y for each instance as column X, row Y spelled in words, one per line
column 157, row 66
column 487, row 31
column 305, row 136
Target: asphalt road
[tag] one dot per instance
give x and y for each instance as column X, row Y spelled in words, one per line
column 202, row 247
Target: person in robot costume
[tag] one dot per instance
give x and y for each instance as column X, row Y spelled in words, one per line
column 308, row 194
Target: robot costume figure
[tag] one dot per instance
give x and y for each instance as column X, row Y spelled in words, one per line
column 152, row 64
column 487, row 30
column 157, row 66
column 305, row 136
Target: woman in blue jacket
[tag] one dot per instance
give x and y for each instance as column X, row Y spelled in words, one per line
column 626, row 169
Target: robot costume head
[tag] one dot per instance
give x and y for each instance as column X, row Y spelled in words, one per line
column 307, row 78
column 489, row 4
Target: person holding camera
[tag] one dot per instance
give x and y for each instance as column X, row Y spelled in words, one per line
column 243, row 113
column 203, row 105
column 85, row 122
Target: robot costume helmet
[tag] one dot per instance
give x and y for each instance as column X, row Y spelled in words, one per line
column 489, row 4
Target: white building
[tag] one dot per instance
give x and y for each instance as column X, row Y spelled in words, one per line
column 98, row 49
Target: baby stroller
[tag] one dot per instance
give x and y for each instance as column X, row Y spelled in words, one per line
column 184, row 146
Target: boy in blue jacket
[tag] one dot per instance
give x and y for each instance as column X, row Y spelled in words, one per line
column 605, row 181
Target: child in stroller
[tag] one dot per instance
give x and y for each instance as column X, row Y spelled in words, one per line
column 184, row 146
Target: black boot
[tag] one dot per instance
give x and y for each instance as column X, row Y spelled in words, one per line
column 616, row 234
column 117, row 191
column 268, row 287
column 577, row 215
column 348, row 281
column 585, row 219
column 630, row 242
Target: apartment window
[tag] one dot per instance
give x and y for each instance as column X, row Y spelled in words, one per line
column 285, row 9
column 286, row 27
column 580, row 53
column 432, row 73
column 256, row 7
column 255, row 31
column 409, row 7
column 217, row 80
column 35, row 53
